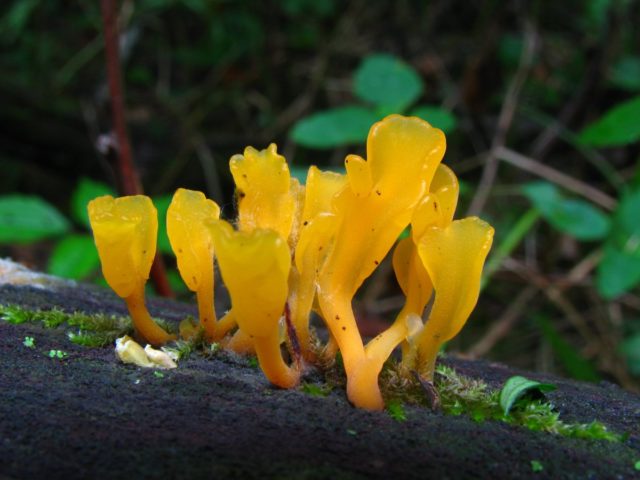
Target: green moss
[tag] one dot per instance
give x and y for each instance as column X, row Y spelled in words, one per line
column 96, row 330
column 316, row 390
column 460, row 395
column 395, row 409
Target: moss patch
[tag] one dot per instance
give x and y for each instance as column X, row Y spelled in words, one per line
column 460, row 395
column 96, row 330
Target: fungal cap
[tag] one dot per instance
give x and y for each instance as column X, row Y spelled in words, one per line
column 263, row 182
column 125, row 231
column 403, row 154
column 190, row 238
column 255, row 268
column 454, row 257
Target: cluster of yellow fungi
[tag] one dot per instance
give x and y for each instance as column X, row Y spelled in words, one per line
column 298, row 248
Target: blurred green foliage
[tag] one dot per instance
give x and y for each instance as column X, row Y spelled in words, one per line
column 386, row 85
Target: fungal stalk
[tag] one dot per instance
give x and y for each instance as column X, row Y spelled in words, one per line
column 191, row 242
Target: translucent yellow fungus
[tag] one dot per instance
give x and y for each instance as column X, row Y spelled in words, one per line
column 191, row 242
column 453, row 257
column 403, row 154
column 263, row 183
column 299, row 248
column 125, row 231
column 316, row 231
column 436, row 208
column 255, row 268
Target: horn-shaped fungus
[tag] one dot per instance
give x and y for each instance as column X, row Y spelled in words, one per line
column 315, row 233
column 125, row 230
column 436, row 208
column 191, row 242
column 453, row 257
column 383, row 192
column 255, row 267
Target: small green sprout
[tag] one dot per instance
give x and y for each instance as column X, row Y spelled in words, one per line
column 395, row 409
column 158, row 374
column 518, row 387
column 536, row 466
column 59, row 354
column 29, row 342
column 316, row 390
column 253, row 362
column 637, row 465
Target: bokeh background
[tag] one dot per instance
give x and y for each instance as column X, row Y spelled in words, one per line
column 539, row 100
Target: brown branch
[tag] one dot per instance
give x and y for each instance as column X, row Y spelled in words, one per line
column 503, row 325
column 576, row 186
column 128, row 180
column 128, row 177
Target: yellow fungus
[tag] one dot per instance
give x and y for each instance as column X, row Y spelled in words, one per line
column 299, row 248
column 264, row 192
column 453, row 257
column 316, row 232
column 192, row 244
column 255, row 268
column 125, row 231
column 404, row 154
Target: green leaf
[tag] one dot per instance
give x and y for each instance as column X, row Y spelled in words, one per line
column 577, row 218
column 162, row 204
column 626, row 73
column 619, row 268
column 573, row 362
column 334, row 128
column 437, row 117
column 85, row 191
column 15, row 20
column 516, row 387
column 618, row 272
column 619, row 126
column 387, row 81
column 536, row 466
column 25, row 219
column 74, row 256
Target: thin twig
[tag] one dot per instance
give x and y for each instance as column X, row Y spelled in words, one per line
column 557, row 297
column 503, row 325
column 583, row 189
column 504, row 121
column 129, row 182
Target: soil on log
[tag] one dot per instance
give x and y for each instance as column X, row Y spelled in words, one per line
column 90, row 416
